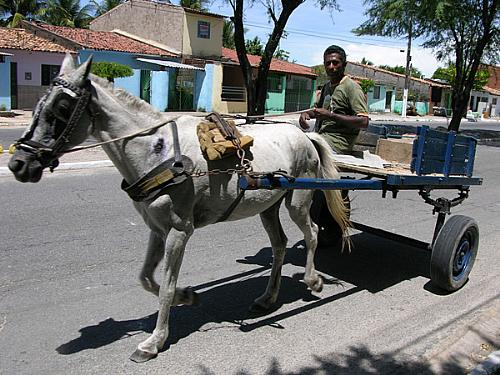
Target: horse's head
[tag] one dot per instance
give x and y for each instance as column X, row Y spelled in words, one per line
column 60, row 121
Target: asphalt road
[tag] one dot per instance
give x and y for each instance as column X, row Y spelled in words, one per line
column 70, row 302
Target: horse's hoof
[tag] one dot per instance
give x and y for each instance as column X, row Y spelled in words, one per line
column 317, row 285
column 140, row 356
column 257, row 308
column 192, row 296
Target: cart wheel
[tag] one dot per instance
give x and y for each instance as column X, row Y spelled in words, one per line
column 329, row 231
column 454, row 252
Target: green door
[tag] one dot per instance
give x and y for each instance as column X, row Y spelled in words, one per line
column 146, row 85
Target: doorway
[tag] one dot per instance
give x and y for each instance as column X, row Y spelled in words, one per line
column 13, row 85
column 388, row 101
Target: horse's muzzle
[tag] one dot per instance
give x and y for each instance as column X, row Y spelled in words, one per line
column 25, row 166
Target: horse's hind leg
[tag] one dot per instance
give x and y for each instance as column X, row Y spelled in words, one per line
column 270, row 220
column 298, row 204
column 154, row 254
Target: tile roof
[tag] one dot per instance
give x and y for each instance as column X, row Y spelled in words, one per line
column 23, row 40
column 276, row 65
column 104, row 40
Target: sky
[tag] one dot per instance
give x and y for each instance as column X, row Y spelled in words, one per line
column 310, row 30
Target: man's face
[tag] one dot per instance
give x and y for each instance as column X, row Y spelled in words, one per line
column 334, row 65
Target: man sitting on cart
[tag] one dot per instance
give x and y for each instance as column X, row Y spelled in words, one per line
column 340, row 113
column 341, row 110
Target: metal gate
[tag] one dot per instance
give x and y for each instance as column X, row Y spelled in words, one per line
column 298, row 93
column 181, row 92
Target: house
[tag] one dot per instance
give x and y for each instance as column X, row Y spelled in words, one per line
column 28, row 64
column 386, row 95
column 291, row 87
column 487, row 101
column 197, row 37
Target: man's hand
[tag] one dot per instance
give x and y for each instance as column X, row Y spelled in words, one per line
column 322, row 114
column 304, row 117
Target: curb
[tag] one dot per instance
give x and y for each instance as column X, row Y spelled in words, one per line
column 4, row 171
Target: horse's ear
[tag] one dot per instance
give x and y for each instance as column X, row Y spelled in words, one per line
column 68, row 65
column 83, row 71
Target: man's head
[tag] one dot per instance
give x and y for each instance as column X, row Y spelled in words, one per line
column 335, row 61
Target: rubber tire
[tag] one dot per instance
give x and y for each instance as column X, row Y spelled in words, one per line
column 454, row 252
column 329, row 233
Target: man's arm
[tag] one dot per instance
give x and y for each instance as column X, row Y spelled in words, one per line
column 358, row 122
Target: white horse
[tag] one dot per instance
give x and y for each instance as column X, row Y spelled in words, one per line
column 79, row 104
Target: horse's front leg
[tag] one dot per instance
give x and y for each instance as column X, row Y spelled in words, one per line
column 271, row 221
column 176, row 243
column 154, row 254
column 298, row 204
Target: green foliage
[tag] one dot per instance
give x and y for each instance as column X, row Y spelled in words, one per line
column 66, row 13
column 104, row 6
column 366, row 85
column 195, row 4
column 449, row 74
column 3, row 108
column 414, row 72
column 366, row 62
column 111, row 70
column 281, row 54
column 228, row 34
column 254, row 46
column 13, row 11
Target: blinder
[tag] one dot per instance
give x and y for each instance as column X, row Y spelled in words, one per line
column 48, row 154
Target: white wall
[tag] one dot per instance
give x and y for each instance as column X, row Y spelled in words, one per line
column 28, row 62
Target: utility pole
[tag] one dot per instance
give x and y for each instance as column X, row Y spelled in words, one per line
column 407, row 70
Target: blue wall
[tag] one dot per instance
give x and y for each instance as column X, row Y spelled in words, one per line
column 159, row 81
column 377, row 105
column 204, row 89
column 159, row 90
column 5, row 84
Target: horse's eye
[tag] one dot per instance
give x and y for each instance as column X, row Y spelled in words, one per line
column 63, row 108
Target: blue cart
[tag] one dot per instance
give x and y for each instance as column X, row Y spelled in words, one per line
column 440, row 161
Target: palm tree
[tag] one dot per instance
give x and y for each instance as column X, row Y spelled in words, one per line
column 195, row 4
column 13, row 11
column 66, row 13
column 104, row 6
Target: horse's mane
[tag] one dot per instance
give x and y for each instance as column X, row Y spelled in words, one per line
column 135, row 103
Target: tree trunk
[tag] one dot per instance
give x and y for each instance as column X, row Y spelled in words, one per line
column 257, row 87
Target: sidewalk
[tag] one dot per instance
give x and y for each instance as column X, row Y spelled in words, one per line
column 475, row 347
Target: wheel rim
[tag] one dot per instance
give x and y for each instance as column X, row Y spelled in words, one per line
column 462, row 256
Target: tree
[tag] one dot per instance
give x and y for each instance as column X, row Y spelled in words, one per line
column 104, row 6
column 414, row 72
column 322, row 77
column 366, row 62
column 254, row 46
column 14, row 11
column 111, row 70
column 195, row 4
column 66, row 13
column 256, row 85
column 467, row 30
column 449, row 73
column 281, row 54
column 228, row 34
column 366, row 85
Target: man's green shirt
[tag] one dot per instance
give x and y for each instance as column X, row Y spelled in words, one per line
column 346, row 98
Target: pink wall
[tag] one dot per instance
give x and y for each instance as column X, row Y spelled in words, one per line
column 30, row 62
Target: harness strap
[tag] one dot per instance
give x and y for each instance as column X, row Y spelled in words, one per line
column 231, row 208
column 156, row 181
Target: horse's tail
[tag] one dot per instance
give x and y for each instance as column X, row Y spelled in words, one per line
column 335, row 202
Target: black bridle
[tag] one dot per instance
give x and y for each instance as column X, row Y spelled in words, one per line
column 48, row 155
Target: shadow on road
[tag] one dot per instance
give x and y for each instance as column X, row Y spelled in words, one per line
column 374, row 264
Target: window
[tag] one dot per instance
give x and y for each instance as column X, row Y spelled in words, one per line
column 49, row 72
column 274, row 83
column 376, row 92
column 2, row 58
column 494, row 101
column 204, row 29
